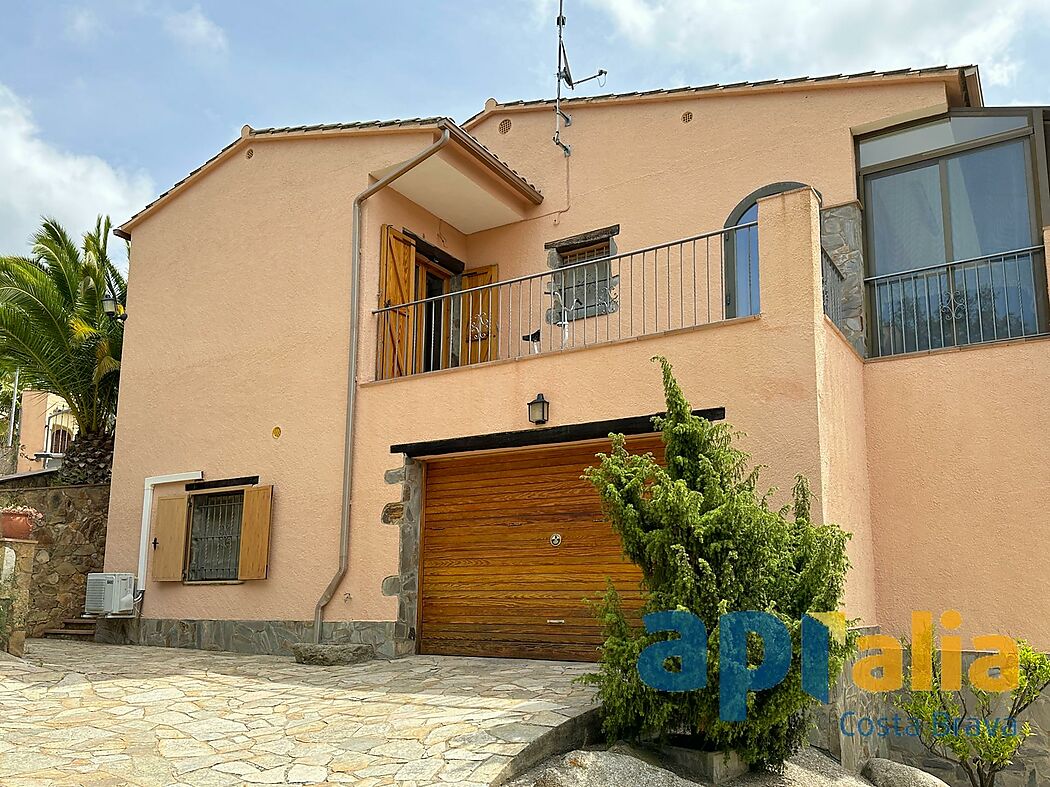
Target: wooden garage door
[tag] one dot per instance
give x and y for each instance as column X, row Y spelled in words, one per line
column 492, row 582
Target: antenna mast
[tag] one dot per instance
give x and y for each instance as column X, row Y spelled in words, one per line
column 565, row 75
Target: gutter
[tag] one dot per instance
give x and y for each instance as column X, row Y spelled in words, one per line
column 351, row 374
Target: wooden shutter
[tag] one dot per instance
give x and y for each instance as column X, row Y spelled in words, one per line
column 169, row 534
column 255, row 532
column 397, row 285
column 480, row 315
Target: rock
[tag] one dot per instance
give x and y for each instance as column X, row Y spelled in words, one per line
column 332, row 655
column 627, row 766
column 887, row 773
column 600, row 769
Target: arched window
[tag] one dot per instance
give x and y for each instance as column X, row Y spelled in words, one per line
column 741, row 251
column 60, row 439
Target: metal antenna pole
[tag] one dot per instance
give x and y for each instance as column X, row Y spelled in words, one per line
column 565, row 75
column 561, row 75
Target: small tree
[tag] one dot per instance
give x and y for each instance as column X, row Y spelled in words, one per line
column 979, row 739
column 707, row 542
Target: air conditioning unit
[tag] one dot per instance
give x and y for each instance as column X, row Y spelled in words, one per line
column 110, row 594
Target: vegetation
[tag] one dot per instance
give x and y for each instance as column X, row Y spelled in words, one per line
column 980, row 739
column 708, row 542
column 54, row 328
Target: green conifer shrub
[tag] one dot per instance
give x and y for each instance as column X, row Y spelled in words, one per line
column 707, row 542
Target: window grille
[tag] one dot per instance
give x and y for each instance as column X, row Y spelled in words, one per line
column 582, row 290
column 215, row 537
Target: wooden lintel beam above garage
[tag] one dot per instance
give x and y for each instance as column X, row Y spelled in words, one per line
column 569, row 433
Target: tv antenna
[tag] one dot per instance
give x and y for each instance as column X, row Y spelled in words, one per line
column 565, row 75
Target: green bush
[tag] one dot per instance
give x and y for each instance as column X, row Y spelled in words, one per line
column 984, row 746
column 707, row 542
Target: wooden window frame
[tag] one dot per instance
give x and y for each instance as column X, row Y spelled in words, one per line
column 254, row 558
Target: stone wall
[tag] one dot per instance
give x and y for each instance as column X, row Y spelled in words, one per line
column 71, row 543
column 16, row 574
column 405, row 514
column 841, row 236
column 32, row 480
column 273, row 637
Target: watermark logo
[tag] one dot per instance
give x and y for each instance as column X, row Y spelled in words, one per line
column 882, row 671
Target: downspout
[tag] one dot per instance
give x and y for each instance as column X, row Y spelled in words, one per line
column 351, row 374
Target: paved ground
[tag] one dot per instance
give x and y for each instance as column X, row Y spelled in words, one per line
column 84, row 714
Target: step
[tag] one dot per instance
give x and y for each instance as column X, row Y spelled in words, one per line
column 80, row 622
column 74, row 633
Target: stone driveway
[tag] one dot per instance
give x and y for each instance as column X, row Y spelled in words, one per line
column 84, row 714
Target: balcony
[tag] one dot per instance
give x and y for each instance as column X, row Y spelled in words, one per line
column 703, row 279
column 982, row 299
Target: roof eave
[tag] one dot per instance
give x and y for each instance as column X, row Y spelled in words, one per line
column 474, row 148
column 968, row 79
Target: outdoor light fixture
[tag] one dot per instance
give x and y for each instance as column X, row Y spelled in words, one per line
column 110, row 307
column 539, row 409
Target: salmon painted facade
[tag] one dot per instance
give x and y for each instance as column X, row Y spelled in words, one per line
column 335, row 335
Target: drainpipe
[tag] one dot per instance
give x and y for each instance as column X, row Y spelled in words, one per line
column 351, row 374
column 147, row 508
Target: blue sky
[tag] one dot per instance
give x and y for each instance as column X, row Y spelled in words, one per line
column 103, row 105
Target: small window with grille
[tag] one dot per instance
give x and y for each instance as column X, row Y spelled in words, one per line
column 215, row 537
column 579, row 290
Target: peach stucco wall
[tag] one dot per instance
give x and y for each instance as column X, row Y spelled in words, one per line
column 844, row 496
column 239, row 300
column 958, row 456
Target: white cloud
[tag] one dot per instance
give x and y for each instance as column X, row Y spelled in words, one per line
column 195, row 31
column 773, row 38
column 40, row 179
column 83, row 25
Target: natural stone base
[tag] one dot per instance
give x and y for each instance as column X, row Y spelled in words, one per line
column 887, row 773
column 255, row 637
column 711, row 767
column 332, row 655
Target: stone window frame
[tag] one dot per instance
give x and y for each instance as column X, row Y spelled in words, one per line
column 589, row 283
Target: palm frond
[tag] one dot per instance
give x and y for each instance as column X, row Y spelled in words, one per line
column 53, row 326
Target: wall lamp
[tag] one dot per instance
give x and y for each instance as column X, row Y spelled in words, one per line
column 539, row 410
column 112, row 308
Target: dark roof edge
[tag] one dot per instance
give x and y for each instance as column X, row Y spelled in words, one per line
column 492, row 106
column 553, row 435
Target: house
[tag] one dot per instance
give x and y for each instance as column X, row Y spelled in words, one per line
column 46, row 427
column 338, row 334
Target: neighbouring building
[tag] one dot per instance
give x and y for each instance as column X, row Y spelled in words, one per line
column 46, row 430
column 848, row 269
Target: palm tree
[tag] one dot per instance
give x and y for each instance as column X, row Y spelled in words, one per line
column 54, row 328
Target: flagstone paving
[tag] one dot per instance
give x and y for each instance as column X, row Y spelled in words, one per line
column 77, row 713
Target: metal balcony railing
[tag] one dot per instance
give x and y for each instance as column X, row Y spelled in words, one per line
column 833, row 284
column 703, row 279
column 982, row 299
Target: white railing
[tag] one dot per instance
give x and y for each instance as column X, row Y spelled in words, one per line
column 698, row 280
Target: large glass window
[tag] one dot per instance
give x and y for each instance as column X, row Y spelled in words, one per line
column 950, row 249
column 988, row 200
column 936, row 136
column 972, row 204
column 742, row 298
column 906, row 219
